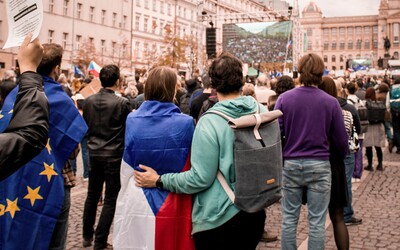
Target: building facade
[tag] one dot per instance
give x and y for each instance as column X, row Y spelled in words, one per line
column 338, row 39
column 128, row 33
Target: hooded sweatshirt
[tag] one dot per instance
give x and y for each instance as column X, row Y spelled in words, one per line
column 212, row 150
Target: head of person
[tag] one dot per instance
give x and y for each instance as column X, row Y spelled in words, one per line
column 226, row 74
column 370, row 94
column 339, row 88
column 206, row 81
column 51, row 62
column 284, row 84
column 5, row 88
column 328, row 85
column 62, row 79
column 263, row 81
column 351, row 87
column 248, row 89
column 9, row 75
column 160, row 84
column 109, row 76
column 383, row 88
column 311, row 69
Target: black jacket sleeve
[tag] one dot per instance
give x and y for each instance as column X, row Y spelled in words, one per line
column 27, row 133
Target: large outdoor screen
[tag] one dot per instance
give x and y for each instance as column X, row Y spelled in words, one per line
column 262, row 42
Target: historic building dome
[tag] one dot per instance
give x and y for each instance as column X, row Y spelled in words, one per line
column 311, row 7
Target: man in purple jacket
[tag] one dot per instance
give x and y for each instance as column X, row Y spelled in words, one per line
column 311, row 121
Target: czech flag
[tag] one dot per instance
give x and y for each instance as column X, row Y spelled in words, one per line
column 157, row 135
column 94, row 68
column 31, row 198
column 289, row 44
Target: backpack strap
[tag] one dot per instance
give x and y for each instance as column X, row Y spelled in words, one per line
column 225, row 186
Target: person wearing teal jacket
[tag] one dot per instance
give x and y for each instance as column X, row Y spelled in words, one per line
column 217, row 223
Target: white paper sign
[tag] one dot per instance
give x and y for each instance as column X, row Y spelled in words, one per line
column 24, row 16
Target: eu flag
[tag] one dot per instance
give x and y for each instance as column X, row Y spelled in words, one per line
column 31, row 198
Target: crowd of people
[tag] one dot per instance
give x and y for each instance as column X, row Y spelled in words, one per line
column 252, row 49
column 149, row 142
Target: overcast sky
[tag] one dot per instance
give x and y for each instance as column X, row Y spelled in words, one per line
column 331, row 8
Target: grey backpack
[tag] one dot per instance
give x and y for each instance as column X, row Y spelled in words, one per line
column 257, row 159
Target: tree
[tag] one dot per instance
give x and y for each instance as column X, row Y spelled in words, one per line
column 85, row 54
column 175, row 49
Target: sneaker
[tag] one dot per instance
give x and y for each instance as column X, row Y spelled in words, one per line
column 87, row 243
column 266, row 237
column 353, row 221
column 369, row 168
column 379, row 167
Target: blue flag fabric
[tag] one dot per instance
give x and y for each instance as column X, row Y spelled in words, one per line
column 32, row 197
column 77, row 71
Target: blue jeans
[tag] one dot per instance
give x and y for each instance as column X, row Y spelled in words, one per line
column 59, row 237
column 314, row 178
column 85, row 158
column 349, row 163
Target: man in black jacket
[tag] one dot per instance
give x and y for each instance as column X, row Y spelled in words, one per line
column 26, row 134
column 105, row 114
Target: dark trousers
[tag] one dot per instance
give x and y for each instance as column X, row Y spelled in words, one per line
column 243, row 231
column 396, row 129
column 101, row 169
column 59, row 237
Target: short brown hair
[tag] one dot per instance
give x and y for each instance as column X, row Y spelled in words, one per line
column 329, row 86
column 311, row 68
column 160, row 84
column 52, row 56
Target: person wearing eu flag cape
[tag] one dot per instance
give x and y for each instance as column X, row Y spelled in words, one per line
column 33, row 196
column 21, row 141
column 157, row 134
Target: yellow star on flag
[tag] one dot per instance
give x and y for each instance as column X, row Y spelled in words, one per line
column 11, row 111
column 48, row 146
column 2, row 209
column 1, row 116
column 12, row 207
column 33, row 195
column 49, row 171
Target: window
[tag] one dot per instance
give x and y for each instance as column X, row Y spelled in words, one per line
column 349, row 31
column 396, row 31
column 359, row 43
column 50, row 36
column 326, row 45
column 2, row 65
column 341, row 59
column 65, row 8
column 309, row 32
column 137, row 21
column 102, row 46
column 366, row 44
column 334, row 32
column 103, row 16
column 138, row 3
column 367, row 30
column 375, row 43
column 124, row 21
column 91, row 13
column 309, row 45
column 326, row 32
column 350, row 44
column 342, row 30
column 78, row 41
column 78, row 10
column 375, row 29
column 341, row 44
column 64, row 40
column 169, row 9
column 51, row 6
column 113, row 47
column 162, row 7
column 184, row 13
column 358, row 30
column 91, row 40
column 145, row 24
column 124, row 49
column 179, row 11
column 325, row 59
column 154, row 25
column 333, row 44
column 137, row 50
column 146, row 4
column 154, row 5
column 114, row 20
column 333, row 58
column 161, row 27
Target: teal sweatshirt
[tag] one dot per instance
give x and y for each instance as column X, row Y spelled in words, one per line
column 212, row 149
